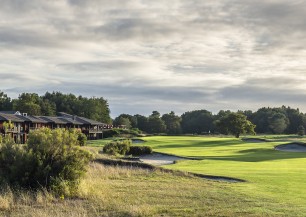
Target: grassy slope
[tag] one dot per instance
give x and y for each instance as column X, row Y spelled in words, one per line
column 115, row 191
column 278, row 177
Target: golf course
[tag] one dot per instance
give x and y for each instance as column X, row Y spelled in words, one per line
column 274, row 180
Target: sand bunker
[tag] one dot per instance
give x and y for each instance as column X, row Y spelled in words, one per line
column 158, row 159
column 137, row 141
column 292, row 147
column 253, row 140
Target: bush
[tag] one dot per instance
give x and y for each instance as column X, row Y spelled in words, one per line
column 117, row 132
column 117, row 147
column 51, row 159
column 82, row 138
column 140, row 150
column 111, row 133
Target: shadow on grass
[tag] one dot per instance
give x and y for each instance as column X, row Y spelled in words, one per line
column 256, row 155
column 211, row 143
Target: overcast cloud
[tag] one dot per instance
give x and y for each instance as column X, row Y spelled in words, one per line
column 144, row 55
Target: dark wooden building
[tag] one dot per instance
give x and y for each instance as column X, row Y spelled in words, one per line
column 23, row 124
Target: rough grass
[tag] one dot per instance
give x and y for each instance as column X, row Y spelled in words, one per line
column 124, row 191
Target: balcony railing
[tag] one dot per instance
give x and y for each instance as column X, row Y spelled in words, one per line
column 12, row 130
column 33, row 128
column 95, row 130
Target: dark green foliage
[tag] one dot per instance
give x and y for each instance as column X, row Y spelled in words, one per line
column 117, row 132
column 125, row 119
column 124, row 147
column 173, row 123
column 5, row 102
column 199, row 121
column 28, row 103
column 156, row 124
column 278, row 122
column 117, row 147
column 122, row 121
column 235, row 124
column 82, row 138
column 142, row 122
column 51, row 159
column 140, row 150
column 301, row 130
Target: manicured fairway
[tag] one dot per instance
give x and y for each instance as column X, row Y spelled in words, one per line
column 272, row 176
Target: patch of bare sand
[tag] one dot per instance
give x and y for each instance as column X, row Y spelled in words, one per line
column 292, row 147
column 158, row 159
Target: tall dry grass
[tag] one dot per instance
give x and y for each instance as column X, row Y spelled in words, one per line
column 127, row 191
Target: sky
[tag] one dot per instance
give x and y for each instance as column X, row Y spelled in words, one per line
column 170, row 55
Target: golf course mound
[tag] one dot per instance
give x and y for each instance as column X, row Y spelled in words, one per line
column 253, row 140
column 292, row 147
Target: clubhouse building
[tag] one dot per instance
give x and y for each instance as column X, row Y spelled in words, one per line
column 22, row 124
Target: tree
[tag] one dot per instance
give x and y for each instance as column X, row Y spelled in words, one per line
column 142, row 122
column 131, row 123
column 198, row 121
column 119, row 121
column 155, row 123
column 93, row 108
column 173, row 123
column 235, row 124
column 5, row 102
column 28, row 103
column 301, row 130
column 278, row 122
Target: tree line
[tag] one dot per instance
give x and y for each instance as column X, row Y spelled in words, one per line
column 50, row 104
column 267, row 121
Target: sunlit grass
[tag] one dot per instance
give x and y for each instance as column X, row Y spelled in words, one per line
column 269, row 173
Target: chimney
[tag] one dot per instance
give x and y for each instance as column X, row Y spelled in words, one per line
column 74, row 117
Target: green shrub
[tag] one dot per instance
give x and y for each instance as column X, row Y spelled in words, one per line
column 117, row 132
column 111, row 133
column 51, row 159
column 82, row 139
column 117, row 147
column 140, row 150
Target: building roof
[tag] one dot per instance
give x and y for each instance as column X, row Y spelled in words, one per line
column 71, row 120
column 81, row 119
column 55, row 120
column 10, row 117
column 64, row 118
column 32, row 119
column 11, row 112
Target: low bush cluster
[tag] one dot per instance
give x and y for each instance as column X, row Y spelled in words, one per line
column 140, row 150
column 51, row 159
column 116, row 132
column 124, row 147
column 117, row 147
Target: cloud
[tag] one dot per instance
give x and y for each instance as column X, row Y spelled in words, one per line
column 148, row 55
